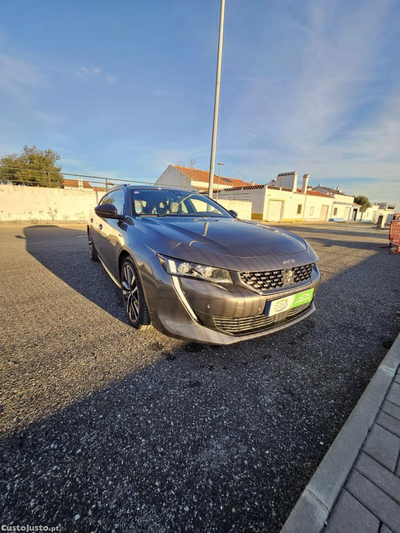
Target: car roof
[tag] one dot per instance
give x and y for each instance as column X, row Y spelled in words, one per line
column 155, row 187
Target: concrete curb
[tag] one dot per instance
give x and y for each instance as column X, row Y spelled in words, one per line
column 316, row 502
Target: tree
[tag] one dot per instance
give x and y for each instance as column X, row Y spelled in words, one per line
column 33, row 167
column 363, row 202
column 182, row 163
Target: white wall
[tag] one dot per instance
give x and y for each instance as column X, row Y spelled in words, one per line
column 255, row 197
column 172, row 176
column 313, row 208
column 242, row 208
column 290, row 202
column 18, row 203
column 62, row 205
column 342, row 212
column 344, row 198
column 372, row 214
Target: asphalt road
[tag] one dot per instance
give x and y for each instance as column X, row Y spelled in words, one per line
column 107, row 429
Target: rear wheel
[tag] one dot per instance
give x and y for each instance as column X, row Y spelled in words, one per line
column 134, row 300
column 92, row 250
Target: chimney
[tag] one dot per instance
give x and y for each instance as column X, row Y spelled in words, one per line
column 304, row 187
column 294, row 188
column 253, row 183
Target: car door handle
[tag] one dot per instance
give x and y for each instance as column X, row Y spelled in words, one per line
column 100, row 226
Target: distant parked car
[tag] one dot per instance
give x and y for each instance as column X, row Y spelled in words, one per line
column 195, row 271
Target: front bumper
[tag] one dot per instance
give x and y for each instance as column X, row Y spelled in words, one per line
column 203, row 312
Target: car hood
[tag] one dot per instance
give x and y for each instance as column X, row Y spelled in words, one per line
column 227, row 242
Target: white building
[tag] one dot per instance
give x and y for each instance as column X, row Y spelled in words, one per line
column 280, row 200
column 193, row 178
column 343, row 209
column 187, row 177
column 373, row 213
column 284, row 204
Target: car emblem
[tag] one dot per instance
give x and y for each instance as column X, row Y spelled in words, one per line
column 288, row 261
column 287, row 276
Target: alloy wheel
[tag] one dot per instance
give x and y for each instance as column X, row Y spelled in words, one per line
column 130, row 292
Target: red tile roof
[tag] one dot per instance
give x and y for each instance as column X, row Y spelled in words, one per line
column 202, row 175
column 76, row 183
column 317, row 193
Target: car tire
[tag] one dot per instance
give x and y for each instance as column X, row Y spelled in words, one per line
column 92, row 250
column 133, row 295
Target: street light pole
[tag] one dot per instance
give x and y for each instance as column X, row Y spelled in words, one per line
column 216, row 102
column 219, row 176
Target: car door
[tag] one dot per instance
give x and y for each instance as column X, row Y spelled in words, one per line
column 97, row 227
column 112, row 230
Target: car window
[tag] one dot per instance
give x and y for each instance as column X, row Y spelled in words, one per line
column 199, row 206
column 115, row 198
column 163, row 202
column 103, row 200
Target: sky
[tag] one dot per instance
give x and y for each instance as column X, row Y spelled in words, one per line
column 125, row 88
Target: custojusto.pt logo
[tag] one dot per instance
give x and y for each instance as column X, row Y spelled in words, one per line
column 28, row 527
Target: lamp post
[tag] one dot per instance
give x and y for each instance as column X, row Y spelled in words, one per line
column 219, row 176
column 216, row 101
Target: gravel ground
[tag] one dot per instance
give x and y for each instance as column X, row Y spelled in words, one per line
column 107, row 429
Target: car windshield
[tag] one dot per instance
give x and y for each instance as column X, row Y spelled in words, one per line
column 164, row 202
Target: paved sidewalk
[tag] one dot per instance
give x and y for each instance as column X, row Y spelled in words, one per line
column 370, row 500
column 356, row 489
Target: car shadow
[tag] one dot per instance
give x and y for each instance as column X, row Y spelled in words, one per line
column 135, row 435
column 64, row 252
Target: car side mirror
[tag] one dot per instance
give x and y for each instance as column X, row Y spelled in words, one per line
column 107, row 211
column 233, row 213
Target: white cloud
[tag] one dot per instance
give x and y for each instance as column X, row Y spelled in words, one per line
column 16, row 75
column 86, row 74
column 305, row 121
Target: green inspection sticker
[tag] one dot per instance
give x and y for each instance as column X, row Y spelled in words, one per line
column 294, row 300
column 302, row 298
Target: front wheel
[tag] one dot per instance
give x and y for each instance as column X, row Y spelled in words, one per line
column 134, row 300
column 92, row 250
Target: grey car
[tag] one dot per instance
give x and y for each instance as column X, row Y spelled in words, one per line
column 195, row 271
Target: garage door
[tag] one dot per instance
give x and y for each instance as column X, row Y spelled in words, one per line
column 274, row 210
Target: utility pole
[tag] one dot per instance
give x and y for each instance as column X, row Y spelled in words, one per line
column 216, row 102
column 219, row 176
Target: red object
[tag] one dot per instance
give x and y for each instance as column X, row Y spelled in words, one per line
column 394, row 234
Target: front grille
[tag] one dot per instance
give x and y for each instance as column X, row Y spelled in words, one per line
column 274, row 279
column 252, row 324
column 235, row 326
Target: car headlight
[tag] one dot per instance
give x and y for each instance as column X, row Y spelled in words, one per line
column 194, row 270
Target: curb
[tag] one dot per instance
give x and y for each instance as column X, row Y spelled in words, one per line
column 312, row 509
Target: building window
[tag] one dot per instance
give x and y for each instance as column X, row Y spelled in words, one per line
column 299, row 209
column 334, row 211
column 311, row 210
